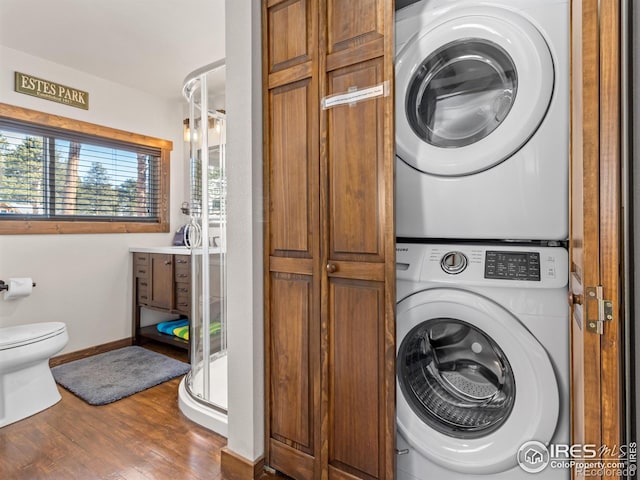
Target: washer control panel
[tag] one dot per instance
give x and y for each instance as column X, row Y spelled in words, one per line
column 502, row 265
column 509, row 265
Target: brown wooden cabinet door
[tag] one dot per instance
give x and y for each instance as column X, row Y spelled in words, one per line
column 356, row 383
column 595, row 235
column 161, row 281
column 292, row 237
column 357, row 210
column 293, row 384
column 329, row 240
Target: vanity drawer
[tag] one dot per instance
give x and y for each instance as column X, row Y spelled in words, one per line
column 143, row 294
column 140, row 259
column 182, row 268
column 182, row 276
column 141, row 271
column 141, row 264
column 183, row 289
column 183, row 303
column 183, row 260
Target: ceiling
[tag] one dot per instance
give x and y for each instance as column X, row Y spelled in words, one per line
column 150, row 45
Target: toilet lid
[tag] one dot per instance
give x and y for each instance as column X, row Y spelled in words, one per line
column 11, row 337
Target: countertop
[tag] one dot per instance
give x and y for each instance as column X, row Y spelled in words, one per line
column 172, row 250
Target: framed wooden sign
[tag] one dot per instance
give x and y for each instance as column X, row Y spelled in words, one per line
column 55, row 92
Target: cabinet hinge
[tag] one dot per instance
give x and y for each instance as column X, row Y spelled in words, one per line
column 603, row 307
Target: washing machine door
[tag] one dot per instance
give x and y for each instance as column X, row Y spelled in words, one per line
column 473, row 382
column 471, row 89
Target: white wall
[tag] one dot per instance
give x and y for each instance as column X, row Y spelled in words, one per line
column 244, row 229
column 85, row 280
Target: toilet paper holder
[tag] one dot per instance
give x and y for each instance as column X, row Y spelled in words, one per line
column 4, row 286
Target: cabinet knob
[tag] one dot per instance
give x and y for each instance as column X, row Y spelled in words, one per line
column 167, row 262
column 331, row 268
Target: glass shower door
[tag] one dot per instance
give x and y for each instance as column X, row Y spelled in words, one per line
column 207, row 381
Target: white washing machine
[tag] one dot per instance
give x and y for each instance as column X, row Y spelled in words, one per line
column 482, row 119
column 482, row 361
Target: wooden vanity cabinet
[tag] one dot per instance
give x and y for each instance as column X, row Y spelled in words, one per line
column 161, row 282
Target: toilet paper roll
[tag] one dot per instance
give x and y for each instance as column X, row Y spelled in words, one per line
column 19, row 287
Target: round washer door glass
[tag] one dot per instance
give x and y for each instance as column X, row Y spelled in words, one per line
column 474, row 383
column 461, row 93
column 455, row 378
column 471, row 90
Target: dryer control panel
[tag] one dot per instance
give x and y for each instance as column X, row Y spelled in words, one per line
column 505, row 265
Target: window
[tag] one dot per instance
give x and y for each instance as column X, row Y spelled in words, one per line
column 65, row 176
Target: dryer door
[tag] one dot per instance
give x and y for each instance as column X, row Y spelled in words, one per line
column 473, row 383
column 471, row 90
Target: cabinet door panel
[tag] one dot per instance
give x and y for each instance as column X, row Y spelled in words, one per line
column 161, row 294
column 355, row 163
column 292, row 368
column 290, row 167
column 353, row 23
column 290, row 39
column 356, row 316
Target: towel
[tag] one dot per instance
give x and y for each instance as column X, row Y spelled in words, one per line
column 183, row 331
column 168, row 327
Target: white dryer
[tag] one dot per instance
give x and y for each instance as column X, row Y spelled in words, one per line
column 482, row 361
column 482, row 119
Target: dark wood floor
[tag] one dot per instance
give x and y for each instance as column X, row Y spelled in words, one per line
column 142, row 437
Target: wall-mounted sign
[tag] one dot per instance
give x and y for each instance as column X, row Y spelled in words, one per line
column 47, row 90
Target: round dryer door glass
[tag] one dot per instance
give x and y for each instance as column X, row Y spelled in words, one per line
column 461, row 93
column 455, row 378
column 472, row 88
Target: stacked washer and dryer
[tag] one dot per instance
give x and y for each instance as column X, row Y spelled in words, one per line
column 482, row 145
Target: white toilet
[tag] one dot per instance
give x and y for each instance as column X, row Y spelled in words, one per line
column 26, row 383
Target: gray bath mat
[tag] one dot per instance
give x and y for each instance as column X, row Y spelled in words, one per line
column 113, row 375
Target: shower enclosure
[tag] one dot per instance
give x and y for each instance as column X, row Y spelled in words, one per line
column 203, row 391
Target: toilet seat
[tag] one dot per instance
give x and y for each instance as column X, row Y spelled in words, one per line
column 12, row 337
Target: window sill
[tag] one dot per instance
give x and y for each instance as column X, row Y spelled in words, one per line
column 21, row 227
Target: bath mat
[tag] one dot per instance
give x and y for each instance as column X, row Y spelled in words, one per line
column 110, row 376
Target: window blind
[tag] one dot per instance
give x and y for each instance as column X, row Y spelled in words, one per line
column 51, row 173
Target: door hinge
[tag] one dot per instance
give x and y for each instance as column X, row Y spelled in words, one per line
column 603, row 307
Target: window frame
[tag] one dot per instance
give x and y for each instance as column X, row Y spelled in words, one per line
column 61, row 226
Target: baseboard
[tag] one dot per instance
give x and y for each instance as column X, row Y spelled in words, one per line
column 236, row 467
column 89, row 352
